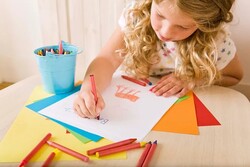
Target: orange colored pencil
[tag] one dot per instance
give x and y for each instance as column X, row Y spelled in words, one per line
column 120, row 149
column 109, row 146
column 144, row 154
column 134, row 80
column 68, row 151
column 150, row 154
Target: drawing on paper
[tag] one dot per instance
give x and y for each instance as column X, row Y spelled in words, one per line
column 126, row 93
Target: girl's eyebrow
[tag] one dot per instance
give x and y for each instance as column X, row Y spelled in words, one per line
column 186, row 26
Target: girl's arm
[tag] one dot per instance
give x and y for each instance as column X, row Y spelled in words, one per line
column 107, row 61
column 232, row 73
column 102, row 67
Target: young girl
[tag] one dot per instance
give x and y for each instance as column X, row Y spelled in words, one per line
column 185, row 42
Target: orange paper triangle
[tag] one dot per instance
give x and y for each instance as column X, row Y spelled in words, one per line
column 180, row 118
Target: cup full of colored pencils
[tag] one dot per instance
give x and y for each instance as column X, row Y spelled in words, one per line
column 57, row 67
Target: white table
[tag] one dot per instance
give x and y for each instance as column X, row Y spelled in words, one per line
column 225, row 145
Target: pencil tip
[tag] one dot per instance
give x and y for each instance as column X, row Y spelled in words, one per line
column 155, row 142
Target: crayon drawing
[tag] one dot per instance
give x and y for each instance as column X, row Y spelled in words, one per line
column 126, row 93
column 131, row 111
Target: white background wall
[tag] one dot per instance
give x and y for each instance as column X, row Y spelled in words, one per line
column 29, row 24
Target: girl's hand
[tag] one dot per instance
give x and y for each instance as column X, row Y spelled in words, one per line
column 85, row 105
column 169, row 85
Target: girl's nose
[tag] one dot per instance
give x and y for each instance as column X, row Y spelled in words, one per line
column 167, row 31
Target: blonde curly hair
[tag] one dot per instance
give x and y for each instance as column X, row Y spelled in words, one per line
column 197, row 53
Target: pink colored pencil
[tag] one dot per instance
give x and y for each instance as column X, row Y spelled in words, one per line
column 68, row 151
column 60, row 48
column 134, row 80
column 120, row 149
column 109, row 146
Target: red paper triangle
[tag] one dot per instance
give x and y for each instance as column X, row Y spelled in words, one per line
column 204, row 116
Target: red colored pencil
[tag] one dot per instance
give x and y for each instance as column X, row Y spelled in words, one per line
column 68, row 151
column 134, row 80
column 144, row 154
column 120, row 149
column 150, row 154
column 109, row 146
column 93, row 87
column 35, row 149
column 50, row 158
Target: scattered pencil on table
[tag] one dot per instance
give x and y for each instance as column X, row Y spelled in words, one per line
column 120, row 149
column 68, row 151
column 149, row 154
column 93, row 87
column 144, row 154
column 134, row 80
column 50, row 158
column 109, row 146
column 35, row 150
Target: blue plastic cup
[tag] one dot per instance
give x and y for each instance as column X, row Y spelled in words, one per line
column 57, row 70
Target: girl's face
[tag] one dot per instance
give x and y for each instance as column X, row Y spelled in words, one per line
column 169, row 23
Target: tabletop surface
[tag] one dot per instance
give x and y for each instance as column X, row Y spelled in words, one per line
column 225, row 145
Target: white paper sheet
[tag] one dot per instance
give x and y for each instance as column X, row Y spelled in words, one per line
column 129, row 113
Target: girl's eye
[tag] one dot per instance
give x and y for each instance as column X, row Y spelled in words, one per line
column 159, row 15
column 183, row 28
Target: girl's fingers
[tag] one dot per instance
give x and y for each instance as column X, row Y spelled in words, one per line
column 173, row 91
column 183, row 92
column 78, row 111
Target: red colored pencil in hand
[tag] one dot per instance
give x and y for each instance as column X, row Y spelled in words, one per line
column 93, row 87
column 109, row 146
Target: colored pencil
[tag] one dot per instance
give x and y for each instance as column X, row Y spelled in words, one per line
column 109, row 146
column 150, row 154
column 68, row 151
column 144, row 154
column 35, row 149
column 134, row 80
column 147, row 81
column 93, row 87
column 120, row 149
column 60, row 48
column 50, row 158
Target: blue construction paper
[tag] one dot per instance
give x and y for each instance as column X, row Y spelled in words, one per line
column 41, row 104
